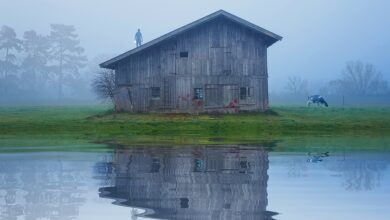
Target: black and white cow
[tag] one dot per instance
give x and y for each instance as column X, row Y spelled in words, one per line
column 316, row 99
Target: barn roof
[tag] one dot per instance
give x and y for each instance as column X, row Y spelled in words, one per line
column 271, row 37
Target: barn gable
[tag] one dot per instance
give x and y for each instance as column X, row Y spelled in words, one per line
column 270, row 38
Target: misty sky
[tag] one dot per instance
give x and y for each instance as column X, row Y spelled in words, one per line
column 319, row 36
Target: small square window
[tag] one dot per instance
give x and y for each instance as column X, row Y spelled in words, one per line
column 155, row 92
column 184, row 54
column 184, row 203
column 198, row 93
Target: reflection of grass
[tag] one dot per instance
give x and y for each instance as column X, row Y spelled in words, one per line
column 78, row 125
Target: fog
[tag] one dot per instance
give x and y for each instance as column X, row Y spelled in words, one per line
column 319, row 37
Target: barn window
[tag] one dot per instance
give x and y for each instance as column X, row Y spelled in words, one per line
column 198, row 93
column 246, row 92
column 184, row 54
column 155, row 92
column 243, row 93
column 227, row 72
column 184, row 203
column 198, row 165
column 155, row 165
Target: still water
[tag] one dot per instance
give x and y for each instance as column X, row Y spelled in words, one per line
column 195, row 182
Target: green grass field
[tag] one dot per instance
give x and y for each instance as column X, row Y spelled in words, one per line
column 29, row 126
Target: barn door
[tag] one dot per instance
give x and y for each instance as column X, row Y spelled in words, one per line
column 230, row 96
column 183, row 92
column 169, row 92
column 218, row 95
column 213, row 95
column 140, row 97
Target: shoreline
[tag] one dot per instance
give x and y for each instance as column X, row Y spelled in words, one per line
column 98, row 124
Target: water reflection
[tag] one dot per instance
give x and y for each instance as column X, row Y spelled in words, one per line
column 357, row 171
column 316, row 157
column 195, row 182
column 360, row 173
column 198, row 182
column 39, row 189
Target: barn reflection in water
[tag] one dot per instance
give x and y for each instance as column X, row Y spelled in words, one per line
column 191, row 182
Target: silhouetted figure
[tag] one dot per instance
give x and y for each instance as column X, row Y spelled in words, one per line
column 138, row 38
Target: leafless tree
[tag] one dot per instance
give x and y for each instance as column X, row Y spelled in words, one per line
column 296, row 85
column 104, row 85
column 360, row 78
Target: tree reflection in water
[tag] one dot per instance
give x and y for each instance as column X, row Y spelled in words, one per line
column 37, row 189
column 197, row 182
column 360, row 171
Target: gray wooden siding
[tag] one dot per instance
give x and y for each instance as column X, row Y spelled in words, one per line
column 222, row 178
column 221, row 55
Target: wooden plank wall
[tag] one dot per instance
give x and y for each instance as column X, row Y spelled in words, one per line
column 220, row 52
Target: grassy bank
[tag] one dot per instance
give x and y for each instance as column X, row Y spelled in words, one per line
column 79, row 124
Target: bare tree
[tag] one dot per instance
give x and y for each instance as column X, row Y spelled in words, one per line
column 360, row 78
column 104, row 85
column 296, row 85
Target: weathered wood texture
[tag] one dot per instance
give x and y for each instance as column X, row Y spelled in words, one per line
column 222, row 58
column 212, row 182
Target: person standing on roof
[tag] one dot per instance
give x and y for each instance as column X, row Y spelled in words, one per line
column 138, row 38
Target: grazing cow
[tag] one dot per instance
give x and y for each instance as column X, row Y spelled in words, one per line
column 316, row 99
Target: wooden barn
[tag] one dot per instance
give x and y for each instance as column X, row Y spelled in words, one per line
column 215, row 64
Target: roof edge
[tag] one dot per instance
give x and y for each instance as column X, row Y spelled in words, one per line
column 109, row 64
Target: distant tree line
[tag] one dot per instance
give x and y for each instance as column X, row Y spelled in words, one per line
column 296, row 85
column 356, row 79
column 40, row 65
column 360, row 79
